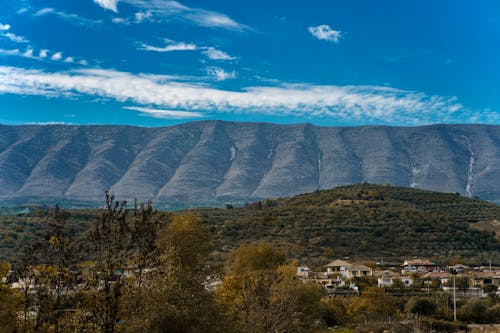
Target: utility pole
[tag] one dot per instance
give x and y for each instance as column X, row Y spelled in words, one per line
column 454, row 297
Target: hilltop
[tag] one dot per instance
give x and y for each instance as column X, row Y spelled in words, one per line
column 365, row 221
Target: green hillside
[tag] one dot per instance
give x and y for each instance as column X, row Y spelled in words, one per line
column 365, row 221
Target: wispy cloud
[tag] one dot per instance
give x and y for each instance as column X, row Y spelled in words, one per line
column 4, row 32
column 108, row 4
column 139, row 17
column 220, row 74
column 41, row 55
column 143, row 16
column 210, row 52
column 165, row 114
column 214, row 54
column 15, row 38
column 171, row 46
column 10, row 52
column 372, row 104
column 324, row 32
column 69, row 17
column 198, row 16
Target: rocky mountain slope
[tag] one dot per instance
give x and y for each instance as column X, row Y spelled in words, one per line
column 213, row 160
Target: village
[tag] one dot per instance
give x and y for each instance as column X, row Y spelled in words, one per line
column 412, row 277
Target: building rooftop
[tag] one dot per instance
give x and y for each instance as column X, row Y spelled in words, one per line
column 339, row 263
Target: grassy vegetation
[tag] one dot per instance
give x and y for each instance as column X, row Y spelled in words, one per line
column 367, row 221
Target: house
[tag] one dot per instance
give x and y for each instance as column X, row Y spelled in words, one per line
column 303, row 272
column 484, row 279
column 459, row 268
column 388, row 281
column 443, row 277
column 338, row 267
column 385, row 281
column 419, row 266
column 406, row 281
column 357, row 270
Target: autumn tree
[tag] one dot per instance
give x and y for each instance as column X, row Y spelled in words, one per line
column 10, row 301
column 261, row 295
column 178, row 296
column 373, row 303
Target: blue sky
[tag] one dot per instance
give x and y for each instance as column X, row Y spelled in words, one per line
column 159, row 62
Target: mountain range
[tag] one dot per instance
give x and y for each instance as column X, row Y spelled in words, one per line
column 216, row 161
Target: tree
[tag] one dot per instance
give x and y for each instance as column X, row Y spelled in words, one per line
column 109, row 239
column 24, row 265
column 58, row 274
column 374, row 302
column 10, row 301
column 480, row 312
column 261, row 295
column 144, row 228
column 177, row 292
column 421, row 306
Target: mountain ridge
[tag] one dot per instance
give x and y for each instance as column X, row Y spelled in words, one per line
column 209, row 161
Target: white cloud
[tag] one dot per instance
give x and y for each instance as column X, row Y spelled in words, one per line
column 43, row 53
column 28, row 53
column 324, row 32
column 171, row 46
column 4, row 28
column 71, row 18
column 165, row 114
column 56, row 56
column 108, row 4
column 48, row 123
column 143, row 16
column 10, row 52
column 139, row 17
column 214, row 54
column 198, row 16
column 209, row 51
column 15, row 38
column 22, row 10
column 349, row 103
column 120, row 20
column 220, row 74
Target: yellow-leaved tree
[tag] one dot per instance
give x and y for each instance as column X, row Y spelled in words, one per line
column 260, row 293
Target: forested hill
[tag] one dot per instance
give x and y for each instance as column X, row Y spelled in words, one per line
column 365, row 221
column 215, row 161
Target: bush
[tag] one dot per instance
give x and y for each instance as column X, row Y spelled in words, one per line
column 421, row 306
column 479, row 312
